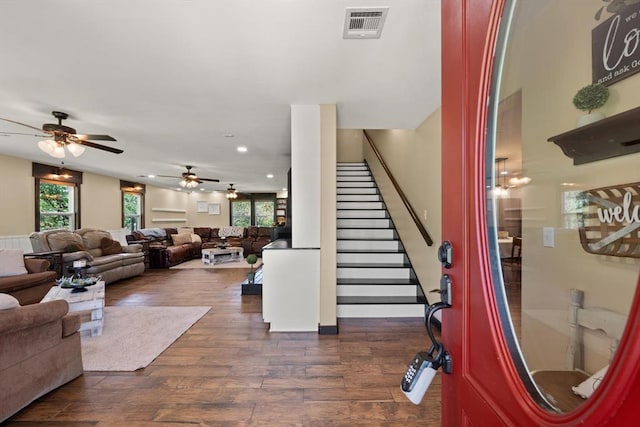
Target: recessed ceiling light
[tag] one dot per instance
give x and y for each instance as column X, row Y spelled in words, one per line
column 201, row 189
column 151, row 176
column 229, row 135
column 269, row 175
column 284, row 189
column 242, row 149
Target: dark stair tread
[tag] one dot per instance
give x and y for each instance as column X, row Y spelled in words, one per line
column 377, row 282
column 382, row 300
column 361, row 209
column 374, row 265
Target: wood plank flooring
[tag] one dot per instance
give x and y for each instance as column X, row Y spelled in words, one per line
column 229, row 370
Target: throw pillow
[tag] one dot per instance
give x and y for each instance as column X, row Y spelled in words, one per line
column 74, row 247
column 110, row 247
column 196, row 238
column 7, row 301
column 181, row 238
column 11, row 263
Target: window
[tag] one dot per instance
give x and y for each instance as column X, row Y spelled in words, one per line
column 57, row 203
column 132, row 205
column 241, row 213
column 253, row 209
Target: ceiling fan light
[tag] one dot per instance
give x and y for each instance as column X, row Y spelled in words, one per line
column 183, row 183
column 58, row 151
column 75, row 149
column 47, row 146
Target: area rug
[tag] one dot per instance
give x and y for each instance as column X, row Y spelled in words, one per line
column 133, row 337
column 197, row 263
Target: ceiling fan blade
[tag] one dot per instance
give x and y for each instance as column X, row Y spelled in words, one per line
column 169, row 176
column 21, row 124
column 209, row 179
column 100, row 147
column 85, row 137
column 22, row 133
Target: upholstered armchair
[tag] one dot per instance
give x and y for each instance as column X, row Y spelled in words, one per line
column 39, row 351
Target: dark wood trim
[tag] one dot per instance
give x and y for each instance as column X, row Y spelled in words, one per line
column 423, row 231
column 328, row 330
column 137, row 188
column 56, row 174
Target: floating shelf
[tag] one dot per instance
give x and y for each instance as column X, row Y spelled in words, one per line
column 168, row 210
column 613, row 136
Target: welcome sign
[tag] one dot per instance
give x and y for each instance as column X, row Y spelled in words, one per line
column 615, row 47
column 610, row 220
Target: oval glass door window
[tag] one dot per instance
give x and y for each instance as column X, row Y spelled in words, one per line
column 563, row 197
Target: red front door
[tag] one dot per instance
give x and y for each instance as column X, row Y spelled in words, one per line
column 489, row 383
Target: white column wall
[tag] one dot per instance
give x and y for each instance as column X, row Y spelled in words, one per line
column 305, row 176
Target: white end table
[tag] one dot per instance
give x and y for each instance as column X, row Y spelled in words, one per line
column 92, row 300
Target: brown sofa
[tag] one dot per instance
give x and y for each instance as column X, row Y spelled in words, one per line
column 166, row 249
column 30, row 288
column 104, row 257
column 39, row 352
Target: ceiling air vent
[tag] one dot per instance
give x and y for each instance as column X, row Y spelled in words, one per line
column 364, row 22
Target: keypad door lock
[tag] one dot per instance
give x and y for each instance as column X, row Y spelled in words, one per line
column 445, row 254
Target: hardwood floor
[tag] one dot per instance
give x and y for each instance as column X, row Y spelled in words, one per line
column 229, row 370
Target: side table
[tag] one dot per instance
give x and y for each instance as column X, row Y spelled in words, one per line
column 92, row 301
column 54, row 258
column 145, row 250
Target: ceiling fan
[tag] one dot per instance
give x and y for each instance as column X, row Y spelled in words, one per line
column 190, row 179
column 65, row 137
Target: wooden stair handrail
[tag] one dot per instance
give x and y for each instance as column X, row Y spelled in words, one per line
column 407, row 204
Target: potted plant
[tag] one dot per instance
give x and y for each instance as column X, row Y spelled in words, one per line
column 251, row 259
column 589, row 98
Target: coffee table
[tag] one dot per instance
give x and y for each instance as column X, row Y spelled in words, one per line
column 217, row 255
column 92, row 300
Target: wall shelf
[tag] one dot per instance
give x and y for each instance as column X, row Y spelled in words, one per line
column 613, row 136
column 168, row 210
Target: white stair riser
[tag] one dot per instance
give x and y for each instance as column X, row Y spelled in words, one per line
column 354, row 178
column 356, row 184
column 372, row 273
column 358, row 198
column 378, row 213
column 364, row 223
column 360, row 205
column 342, row 172
column 375, row 245
column 356, row 190
column 351, row 164
column 369, row 258
column 375, row 290
column 380, row 310
column 352, row 233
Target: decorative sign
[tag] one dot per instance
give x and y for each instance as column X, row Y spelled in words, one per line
column 615, row 47
column 610, row 220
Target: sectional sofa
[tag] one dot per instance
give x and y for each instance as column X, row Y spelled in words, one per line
column 171, row 246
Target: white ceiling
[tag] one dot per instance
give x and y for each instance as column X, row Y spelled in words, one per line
column 170, row 78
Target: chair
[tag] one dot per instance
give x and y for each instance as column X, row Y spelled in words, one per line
column 39, row 351
column 514, row 262
column 556, row 385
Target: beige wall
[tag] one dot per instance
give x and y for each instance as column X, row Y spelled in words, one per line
column 350, row 145
column 413, row 156
column 101, row 202
column 17, row 216
column 328, row 222
column 553, row 65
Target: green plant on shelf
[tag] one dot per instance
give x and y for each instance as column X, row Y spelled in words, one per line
column 591, row 97
column 251, row 260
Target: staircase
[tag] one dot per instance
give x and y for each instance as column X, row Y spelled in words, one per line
column 375, row 277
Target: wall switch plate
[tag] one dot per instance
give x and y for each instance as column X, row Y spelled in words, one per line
column 548, row 237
